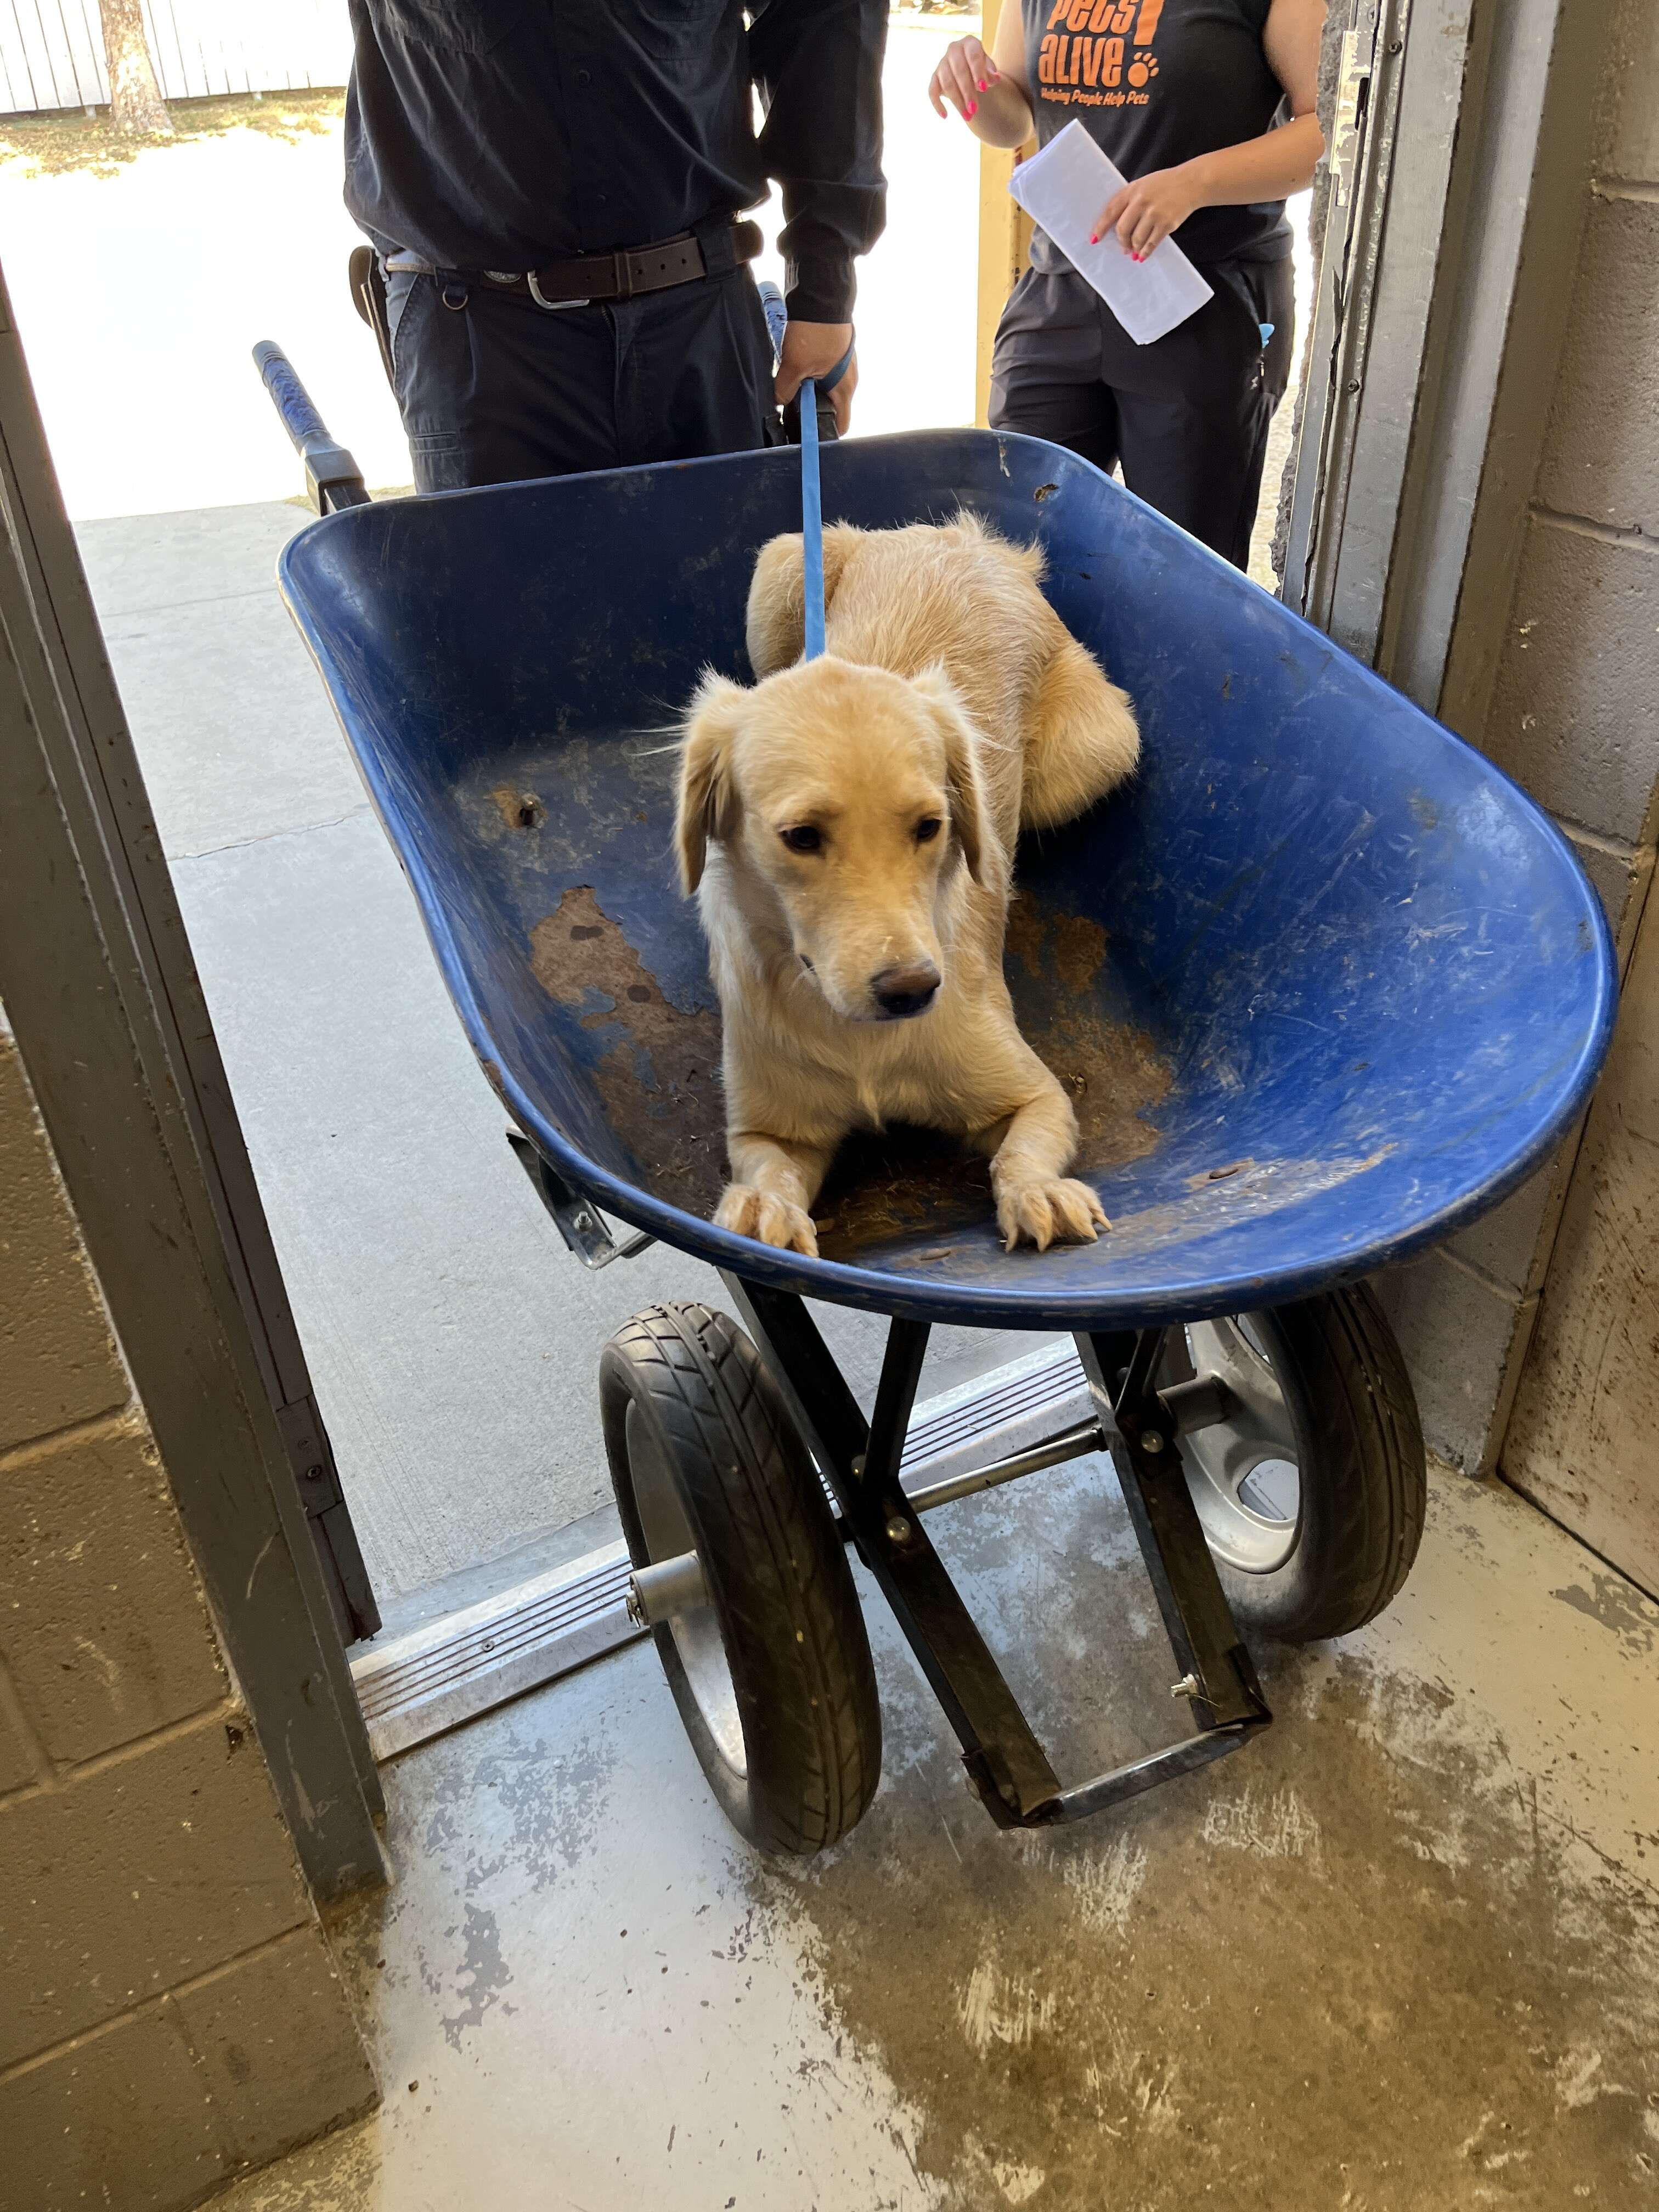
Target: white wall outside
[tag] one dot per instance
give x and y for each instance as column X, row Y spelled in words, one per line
column 51, row 51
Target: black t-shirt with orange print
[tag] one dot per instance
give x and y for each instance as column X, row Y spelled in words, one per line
column 1157, row 82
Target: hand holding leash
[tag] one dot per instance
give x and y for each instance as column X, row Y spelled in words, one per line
column 793, row 376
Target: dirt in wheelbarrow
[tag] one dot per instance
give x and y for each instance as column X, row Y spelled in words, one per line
column 660, row 1083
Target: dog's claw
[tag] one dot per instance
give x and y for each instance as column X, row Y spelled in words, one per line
column 1061, row 1211
column 752, row 1213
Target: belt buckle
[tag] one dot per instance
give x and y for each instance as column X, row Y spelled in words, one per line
column 551, row 306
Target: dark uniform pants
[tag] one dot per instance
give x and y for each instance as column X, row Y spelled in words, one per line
column 1187, row 417
column 492, row 390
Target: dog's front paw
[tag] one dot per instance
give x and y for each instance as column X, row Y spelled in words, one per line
column 769, row 1220
column 1049, row 1211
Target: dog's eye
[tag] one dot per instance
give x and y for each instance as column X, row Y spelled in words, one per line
column 927, row 829
column 803, row 839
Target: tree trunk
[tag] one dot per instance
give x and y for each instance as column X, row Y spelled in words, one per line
column 135, row 103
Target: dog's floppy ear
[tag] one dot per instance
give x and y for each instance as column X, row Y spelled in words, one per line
column 969, row 812
column 707, row 801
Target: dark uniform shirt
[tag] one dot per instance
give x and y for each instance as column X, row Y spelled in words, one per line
column 508, row 134
column 1155, row 83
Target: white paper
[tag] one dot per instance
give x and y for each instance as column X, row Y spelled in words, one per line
column 1063, row 188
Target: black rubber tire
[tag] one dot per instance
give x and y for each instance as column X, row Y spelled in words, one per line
column 779, row 1582
column 1363, row 1475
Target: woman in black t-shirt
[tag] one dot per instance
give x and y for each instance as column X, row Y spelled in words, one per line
column 1207, row 108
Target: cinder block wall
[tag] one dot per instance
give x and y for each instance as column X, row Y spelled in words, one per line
column 169, row 2012
column 1584, row 1438
column 1574, row 713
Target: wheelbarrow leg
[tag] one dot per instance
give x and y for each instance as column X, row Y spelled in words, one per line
column 1005, row 1761
column 1217, row 1672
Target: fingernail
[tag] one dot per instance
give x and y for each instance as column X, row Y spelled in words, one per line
column 984, row 84
column 973, row 107
column 1094, row 238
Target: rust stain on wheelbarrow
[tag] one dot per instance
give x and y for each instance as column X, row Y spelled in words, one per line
column 659, row 1079
column 1112, row 1072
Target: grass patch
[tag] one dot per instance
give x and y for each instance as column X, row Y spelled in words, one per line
column 69, row 143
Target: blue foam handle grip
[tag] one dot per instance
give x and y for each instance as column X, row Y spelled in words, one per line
column 304, row 425
column 777, row 318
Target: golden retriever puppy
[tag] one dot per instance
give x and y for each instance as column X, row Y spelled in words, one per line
column 848, row 826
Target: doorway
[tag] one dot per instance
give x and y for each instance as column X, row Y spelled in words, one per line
column 446, row 1343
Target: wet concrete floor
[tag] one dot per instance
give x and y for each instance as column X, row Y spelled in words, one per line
column 1402, row 1953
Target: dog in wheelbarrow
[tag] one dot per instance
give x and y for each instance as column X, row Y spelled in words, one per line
column 848, row 827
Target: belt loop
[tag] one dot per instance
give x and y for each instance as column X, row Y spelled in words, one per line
column 624, row 264
column 717, row 242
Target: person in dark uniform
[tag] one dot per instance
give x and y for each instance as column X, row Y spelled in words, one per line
column 553, row 187
column 1207, row 108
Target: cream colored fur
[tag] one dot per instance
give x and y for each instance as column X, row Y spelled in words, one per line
column 950, row 693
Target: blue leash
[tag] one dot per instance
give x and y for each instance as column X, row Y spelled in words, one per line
column 811, row 496
column 812, row 524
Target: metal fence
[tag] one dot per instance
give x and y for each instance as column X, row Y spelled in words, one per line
column 51, row 51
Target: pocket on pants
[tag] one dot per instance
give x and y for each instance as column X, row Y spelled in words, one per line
column 429, row 378
column 400, row 287
column 1264, row 292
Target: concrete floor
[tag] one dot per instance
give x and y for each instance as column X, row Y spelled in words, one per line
column 1400, row 1955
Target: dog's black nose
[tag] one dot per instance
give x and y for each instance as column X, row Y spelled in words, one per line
column 899, row 993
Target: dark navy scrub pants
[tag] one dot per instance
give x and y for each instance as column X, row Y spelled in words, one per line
column 1186, row 418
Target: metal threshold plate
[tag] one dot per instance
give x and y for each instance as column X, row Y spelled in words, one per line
column 414, row 1686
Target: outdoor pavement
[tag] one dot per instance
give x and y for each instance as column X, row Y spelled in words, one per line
column 1401, row 1954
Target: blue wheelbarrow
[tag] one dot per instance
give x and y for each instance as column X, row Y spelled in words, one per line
column 1324, row 984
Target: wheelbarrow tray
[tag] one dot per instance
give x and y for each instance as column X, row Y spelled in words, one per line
column 1324, row 983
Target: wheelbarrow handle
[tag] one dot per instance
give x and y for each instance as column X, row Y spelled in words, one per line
column 333, row 479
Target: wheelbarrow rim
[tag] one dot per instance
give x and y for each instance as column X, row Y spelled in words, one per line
column 890, row 1289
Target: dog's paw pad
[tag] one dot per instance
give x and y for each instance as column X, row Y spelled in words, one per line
column 1060, row 1211
column 750, row 1212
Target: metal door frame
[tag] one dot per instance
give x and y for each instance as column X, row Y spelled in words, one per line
column 101, row 992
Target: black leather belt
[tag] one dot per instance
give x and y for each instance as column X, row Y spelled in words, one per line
column 597, row 279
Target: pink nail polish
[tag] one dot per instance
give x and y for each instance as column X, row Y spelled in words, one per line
column 1094, row 238
column 984, row 85
column 972, row 108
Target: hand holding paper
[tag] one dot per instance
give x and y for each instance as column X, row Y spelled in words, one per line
column 1063, row 190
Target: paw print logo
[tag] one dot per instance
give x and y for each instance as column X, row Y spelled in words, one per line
column 1142, row 70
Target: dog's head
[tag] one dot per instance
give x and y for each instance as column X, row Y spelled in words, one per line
column 854, row 796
